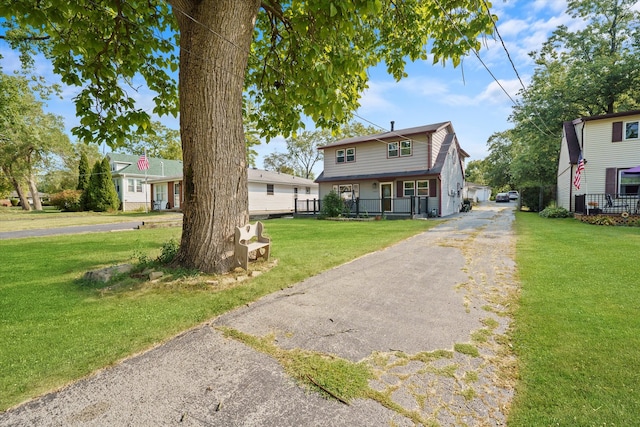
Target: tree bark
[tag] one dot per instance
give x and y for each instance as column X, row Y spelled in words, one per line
column 24, row 202
column 33, row 189
column 215, row 41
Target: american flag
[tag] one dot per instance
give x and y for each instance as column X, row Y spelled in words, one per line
column 579, row 169
column 143, row 163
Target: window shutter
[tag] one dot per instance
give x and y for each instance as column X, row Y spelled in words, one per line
column 433, row 190
column 616, row 133
column 610, row 181
column 399, row 189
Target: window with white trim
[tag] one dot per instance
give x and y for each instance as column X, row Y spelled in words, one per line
column 422, row 188
column 409, row 188
column 631, row 130
column 134, row 185
column 269, row 189
column 346, row 155
column 392, row 149
column 628, row 184
column 405, row 148
column 161, row 192
column 307, row 190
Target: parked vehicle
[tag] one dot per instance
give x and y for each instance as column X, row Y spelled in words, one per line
column 502, row 197
column 513, row 195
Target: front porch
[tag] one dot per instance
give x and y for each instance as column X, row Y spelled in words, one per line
column 396, row 208
column 607, row 204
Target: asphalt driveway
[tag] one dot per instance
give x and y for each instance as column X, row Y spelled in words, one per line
column 445, row 289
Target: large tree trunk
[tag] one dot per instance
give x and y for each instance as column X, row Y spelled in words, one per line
column 33, row 189
column 24, row 202
column 215, row 41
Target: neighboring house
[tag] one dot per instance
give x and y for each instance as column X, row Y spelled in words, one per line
column 134, row 185
column 610, row 144
column 477, row 192
column 270, row 193
column 415, row 171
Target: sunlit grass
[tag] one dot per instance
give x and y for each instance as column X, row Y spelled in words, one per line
column 54, row 329
column 578, row 327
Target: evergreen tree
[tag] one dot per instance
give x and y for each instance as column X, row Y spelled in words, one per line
column 84, row 173
column 101, row 195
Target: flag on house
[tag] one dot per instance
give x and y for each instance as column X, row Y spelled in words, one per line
column 143, row 162
column 579, row 170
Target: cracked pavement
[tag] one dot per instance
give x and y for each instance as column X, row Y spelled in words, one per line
column 430, row 315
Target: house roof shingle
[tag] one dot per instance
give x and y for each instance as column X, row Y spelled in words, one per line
column 394, row 134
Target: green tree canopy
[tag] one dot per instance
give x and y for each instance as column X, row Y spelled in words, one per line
column 30, row 140
column 292, row 59
column 587, row 72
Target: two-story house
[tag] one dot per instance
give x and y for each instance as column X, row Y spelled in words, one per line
column 610, row 146
column 415, row 171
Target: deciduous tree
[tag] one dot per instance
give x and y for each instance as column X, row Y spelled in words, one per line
column 292, row 59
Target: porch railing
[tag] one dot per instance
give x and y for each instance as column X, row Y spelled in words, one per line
column 405, row 206
column 606, row 203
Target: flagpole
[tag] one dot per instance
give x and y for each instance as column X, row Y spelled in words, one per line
column 146, row 186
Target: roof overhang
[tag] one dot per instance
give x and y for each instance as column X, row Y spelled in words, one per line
column 379, row 176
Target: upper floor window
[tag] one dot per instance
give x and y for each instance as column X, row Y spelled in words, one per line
column 631, row 130
column 392, row 149
column 270, row 189
column 402, row 149
column 346, row 155
column 405, row 148
column 307, row 190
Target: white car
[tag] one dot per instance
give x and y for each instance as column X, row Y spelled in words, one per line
column 513, row 195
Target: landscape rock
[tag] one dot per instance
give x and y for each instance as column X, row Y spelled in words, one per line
column 105, row 274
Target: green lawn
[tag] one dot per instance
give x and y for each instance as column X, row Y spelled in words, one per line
column 577, row 331
column 15, row 219
column 54, row 330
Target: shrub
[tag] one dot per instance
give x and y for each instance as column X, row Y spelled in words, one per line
column 169, row 251
column 101, row 195
column 15, row 202
column 331, row 205
column 67, row 200
column 555, row 212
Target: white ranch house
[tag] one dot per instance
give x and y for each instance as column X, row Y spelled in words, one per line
column 270, row 193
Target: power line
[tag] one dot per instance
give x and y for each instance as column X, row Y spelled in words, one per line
column 475, row 52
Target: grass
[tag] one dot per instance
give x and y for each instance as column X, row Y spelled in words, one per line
column 15, row 219
column 54, row 329
column 332, row 376
column 577, row 332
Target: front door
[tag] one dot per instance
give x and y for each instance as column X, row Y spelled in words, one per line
column 386, row 194
column 176, row 195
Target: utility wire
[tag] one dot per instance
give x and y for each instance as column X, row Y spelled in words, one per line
column 548, row 133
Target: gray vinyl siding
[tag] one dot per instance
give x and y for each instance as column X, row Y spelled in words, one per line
column 371, row 158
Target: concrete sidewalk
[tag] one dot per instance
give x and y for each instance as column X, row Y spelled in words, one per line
column 387, row 309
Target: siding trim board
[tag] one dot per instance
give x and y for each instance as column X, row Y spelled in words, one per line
column 378, row 176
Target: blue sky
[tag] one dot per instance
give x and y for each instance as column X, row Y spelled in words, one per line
column 467, row 96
